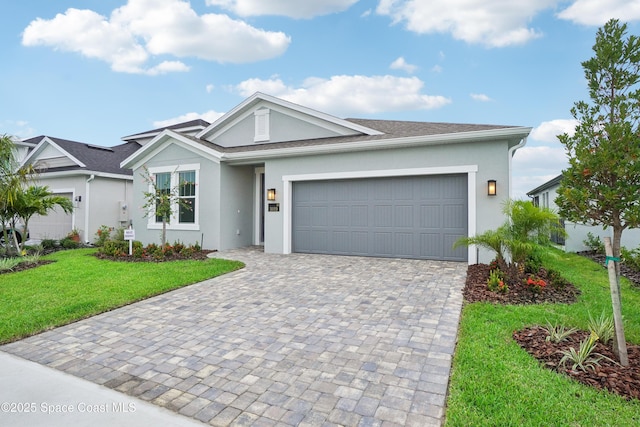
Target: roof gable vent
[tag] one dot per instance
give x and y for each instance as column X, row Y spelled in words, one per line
column 261, row 125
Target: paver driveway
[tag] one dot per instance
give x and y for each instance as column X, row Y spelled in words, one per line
column 306, row 340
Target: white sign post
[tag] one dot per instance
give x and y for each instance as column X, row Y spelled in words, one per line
column 130, row 235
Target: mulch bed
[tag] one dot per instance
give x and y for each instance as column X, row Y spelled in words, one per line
column 200, row 255
column 609, row 375
column 519, row 293
column 624, row 381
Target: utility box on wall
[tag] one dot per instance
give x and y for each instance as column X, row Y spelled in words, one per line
column 123, row 210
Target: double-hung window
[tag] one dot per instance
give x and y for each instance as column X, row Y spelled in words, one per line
column 187, row 197
column 181, row 183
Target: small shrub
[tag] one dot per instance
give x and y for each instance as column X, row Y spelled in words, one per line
column 496, row 282
column 584, row 358
column 631, row 258
column 31, row 259
column 187, row 251
column 594, row 243
column 115, row 248
column 558, row 333
column 34, row 249
column 48, row 243
column 535, row 283
column 8, row 264
column 69, row 243
column 603, row 327
column 118, row 234
column 102, row 235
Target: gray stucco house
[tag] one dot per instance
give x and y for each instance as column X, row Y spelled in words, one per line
column 273, row 173
column 90, row 176
column 545, row 196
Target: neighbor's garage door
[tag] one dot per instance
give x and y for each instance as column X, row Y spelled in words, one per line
column 55, row 225
column 404, row 217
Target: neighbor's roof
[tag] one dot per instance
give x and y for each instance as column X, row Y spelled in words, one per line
column 551, row 183
column 191, row 124
column 95, row 158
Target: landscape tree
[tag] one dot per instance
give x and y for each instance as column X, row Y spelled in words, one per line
column 12, row 180
column 601, row 186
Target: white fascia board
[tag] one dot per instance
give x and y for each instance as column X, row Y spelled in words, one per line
column 415, row 141
column 272, row 101
column 71, row 173
column 157, row 144
column 33, row 154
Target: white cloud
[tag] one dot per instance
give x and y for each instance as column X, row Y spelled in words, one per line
column 345, row 95
column 436, row 69
column 210, row 116
column 480, row 97
column 598, row 12
column 494, row 23
column 535, row 165
column 210, row 88
column 142, row 28
column 290, row 8
column 401, row 64
column 549, row 131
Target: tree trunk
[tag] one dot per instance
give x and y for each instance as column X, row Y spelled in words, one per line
column 164, row 232
column 619, row 341
column 616, row 247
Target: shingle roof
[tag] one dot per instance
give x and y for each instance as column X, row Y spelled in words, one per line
column 390, row 129
column 551, row 183
column 183, row 125
column 96, row 158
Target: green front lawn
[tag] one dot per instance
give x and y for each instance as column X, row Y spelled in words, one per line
column 79, row 285
column 496, row 383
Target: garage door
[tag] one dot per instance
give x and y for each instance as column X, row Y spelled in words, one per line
column 404, row 217
column 56, row 225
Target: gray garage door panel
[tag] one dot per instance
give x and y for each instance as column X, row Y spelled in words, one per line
column 405, row 217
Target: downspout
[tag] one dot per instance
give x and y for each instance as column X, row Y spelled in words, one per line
column 86, row 207
column 512, row 152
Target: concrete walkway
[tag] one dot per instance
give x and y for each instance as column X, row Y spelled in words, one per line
column 300, row 340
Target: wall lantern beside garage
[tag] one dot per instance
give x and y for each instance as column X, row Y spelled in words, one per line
column 271, row 194
column 491, row 187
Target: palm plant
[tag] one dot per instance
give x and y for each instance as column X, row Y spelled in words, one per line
column 39, row 200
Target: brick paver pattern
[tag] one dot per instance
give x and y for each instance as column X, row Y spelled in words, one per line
column 290, row 340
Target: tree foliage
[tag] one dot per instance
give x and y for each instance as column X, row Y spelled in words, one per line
column 526, row 227
column 601, row 186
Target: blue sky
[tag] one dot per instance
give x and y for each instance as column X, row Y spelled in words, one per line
column 97, row 70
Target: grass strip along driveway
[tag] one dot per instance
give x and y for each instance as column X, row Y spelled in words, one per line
column 494, row 382
column 79, row 285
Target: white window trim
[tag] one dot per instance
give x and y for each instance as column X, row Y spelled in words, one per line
column 470, row 170
column 173, row 222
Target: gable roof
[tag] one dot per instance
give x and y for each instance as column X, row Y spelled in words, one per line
column 85, row 157
column 359, row 134
column 547, row 185
column 257, row 98
column 197, row 124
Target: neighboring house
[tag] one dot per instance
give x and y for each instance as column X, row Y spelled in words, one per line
column 273, row 173
column 90, row 176
column 545, row 196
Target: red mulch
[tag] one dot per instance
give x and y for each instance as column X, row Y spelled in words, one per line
column 624, row 381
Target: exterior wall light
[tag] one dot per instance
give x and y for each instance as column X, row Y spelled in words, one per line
column 491, row 187
column 271, row 194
